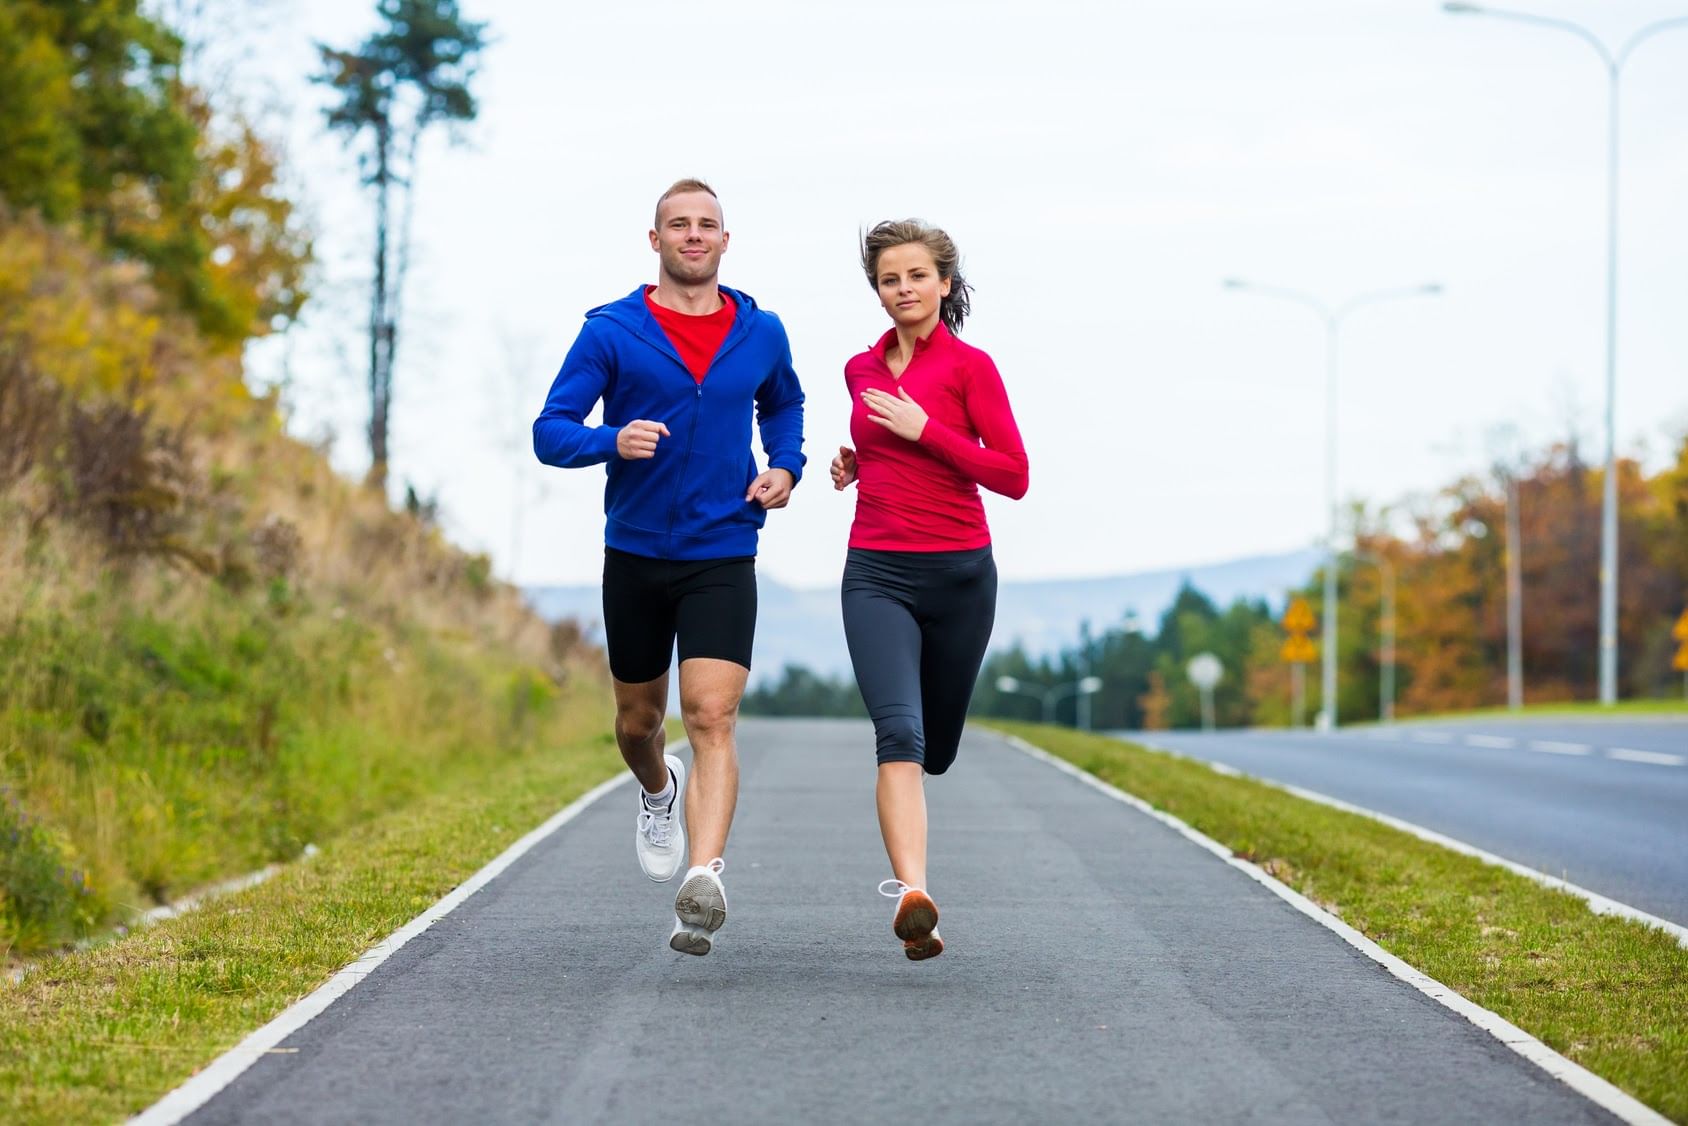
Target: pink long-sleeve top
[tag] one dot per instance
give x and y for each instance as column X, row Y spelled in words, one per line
column 924, row 495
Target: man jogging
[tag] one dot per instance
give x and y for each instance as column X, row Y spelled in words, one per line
column 681, row 367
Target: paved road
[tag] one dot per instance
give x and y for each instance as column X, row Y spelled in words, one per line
column 1100, row 969
column 1603, row 804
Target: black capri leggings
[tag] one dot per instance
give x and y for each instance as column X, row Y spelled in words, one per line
column 917, row 624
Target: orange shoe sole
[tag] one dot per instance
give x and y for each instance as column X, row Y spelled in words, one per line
column 921, row 949
column 916, row 924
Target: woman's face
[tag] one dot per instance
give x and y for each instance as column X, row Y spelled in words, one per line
column 909, row 285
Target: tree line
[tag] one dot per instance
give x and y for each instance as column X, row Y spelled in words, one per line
column 1448, row 555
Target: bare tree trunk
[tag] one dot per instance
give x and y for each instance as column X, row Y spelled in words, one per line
column 406, row 212
column 380, row 330
column 389, row 287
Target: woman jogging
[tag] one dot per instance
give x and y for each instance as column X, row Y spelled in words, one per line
column 931, row 423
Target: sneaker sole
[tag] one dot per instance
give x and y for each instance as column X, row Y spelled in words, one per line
column 698, row 942
column 917, row 918
column 701, row 904
column 921, row 949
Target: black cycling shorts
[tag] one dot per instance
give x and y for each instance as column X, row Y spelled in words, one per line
column 708, row 604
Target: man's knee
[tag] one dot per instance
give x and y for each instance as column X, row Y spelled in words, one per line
column 637, row 722
column 710, row 714
column 899, row 738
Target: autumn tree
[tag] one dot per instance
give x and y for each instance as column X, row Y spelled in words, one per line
column 99, row 130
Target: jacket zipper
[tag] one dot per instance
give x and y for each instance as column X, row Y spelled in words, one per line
column 685, row 466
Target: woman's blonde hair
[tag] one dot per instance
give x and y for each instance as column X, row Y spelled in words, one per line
column 904, row 232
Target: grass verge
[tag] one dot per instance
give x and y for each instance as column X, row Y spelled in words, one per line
column 98, row 1036
column 1580, row 709
column 1608, row 993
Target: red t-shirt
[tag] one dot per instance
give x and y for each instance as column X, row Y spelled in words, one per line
column 696, row 338
column 924, row 495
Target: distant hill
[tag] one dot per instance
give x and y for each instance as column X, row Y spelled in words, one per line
column 802, row 626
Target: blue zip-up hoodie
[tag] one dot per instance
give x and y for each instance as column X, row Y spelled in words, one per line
column 687, row 502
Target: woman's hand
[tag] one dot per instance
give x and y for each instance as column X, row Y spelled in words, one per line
column 902, row 416
column 843, row 468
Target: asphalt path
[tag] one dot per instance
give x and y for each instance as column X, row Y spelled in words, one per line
column 1100, row 968
column 1601, row 803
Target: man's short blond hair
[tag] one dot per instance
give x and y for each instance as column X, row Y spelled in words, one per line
column 681, row 187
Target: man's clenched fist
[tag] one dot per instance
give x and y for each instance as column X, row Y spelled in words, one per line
column 638, row 438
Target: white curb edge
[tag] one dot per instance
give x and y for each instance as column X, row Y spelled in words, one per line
column 226, row 1068
column 228, row 887
column 1578, row 1078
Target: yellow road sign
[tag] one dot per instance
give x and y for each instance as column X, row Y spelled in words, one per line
column 1680, row 632
column 1298, row 619
column 1299, row 651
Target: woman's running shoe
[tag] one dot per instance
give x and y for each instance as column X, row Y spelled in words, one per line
column 916, row 920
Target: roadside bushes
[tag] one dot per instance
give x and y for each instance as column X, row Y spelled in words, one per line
column 149, row 753
column 44, row 896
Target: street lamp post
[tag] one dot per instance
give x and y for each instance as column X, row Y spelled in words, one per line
column 1609, row 500
column 1386, row 688
column 1048, row 697
column 1514, row 597
column 1332, row 318
column 1507, row 464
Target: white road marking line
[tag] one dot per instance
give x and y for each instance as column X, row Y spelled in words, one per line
column 1657, row 758
column 1578, row 1078
column 1431, row 737
column 1500, row 741
column 226, row 1068
column 1552, row 747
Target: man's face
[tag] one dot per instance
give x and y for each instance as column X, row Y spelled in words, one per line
column 689, row 237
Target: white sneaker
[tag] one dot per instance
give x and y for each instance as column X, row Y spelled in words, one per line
column 699, row 909
column 659, row 840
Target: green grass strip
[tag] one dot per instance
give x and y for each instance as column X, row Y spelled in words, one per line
column 1579, row 709
column 101, row 1035
column 1606, row 992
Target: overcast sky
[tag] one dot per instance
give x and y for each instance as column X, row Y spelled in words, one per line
column 1103, row 166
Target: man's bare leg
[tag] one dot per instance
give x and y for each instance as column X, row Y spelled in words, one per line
column 709, row 698
column 710, row 691
column 639, row 711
